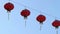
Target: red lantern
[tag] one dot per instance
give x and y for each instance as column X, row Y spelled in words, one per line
column 25, row 13
column 56, row 24
column 41, row 19
column 9, row 6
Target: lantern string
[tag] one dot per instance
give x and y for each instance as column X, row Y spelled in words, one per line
column 9, row 0
column 34, row 9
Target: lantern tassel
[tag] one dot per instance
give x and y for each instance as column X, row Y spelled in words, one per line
column 8, row 15
column 40, row 26
column 56, row 30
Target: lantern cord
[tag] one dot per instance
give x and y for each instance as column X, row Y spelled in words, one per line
column 9, row 0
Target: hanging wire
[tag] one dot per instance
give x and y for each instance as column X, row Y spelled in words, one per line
column 9, row 0
column 34, row 9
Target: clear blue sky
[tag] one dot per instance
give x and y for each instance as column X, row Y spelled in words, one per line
column 15, row 25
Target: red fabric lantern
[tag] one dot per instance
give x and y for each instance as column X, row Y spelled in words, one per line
column 41, row 19
column 56, row 23
column 9, row 6
column 25, row 13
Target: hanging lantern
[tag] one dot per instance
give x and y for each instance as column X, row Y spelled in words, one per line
column 56, row 24
column 25, row 13
column 9, row 6
column 41, row 19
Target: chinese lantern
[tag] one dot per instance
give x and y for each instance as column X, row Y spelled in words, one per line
column 25, row 13
column 56, row 24
column 41, row 18
column 9, row 6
